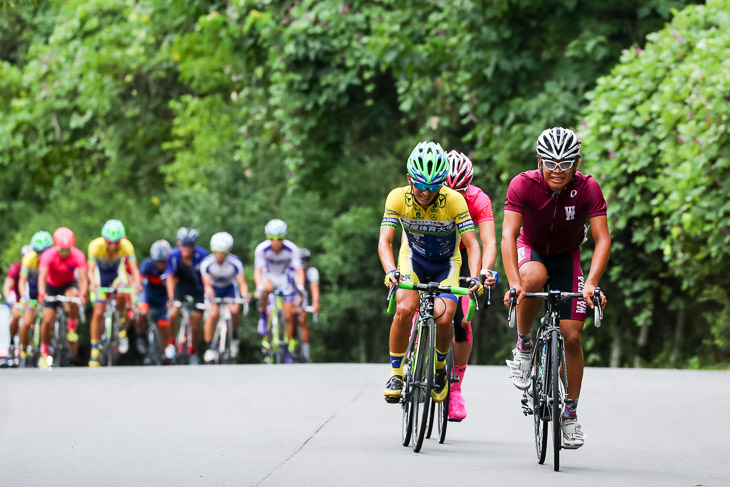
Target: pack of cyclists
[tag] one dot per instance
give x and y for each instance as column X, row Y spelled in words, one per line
column 545, row 215
column 52, row 266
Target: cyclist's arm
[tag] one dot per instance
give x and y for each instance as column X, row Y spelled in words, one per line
column 42, row 275
column 8, row 286
column 136, row 277
column 472, row 251
column 599, row 230
column 257, row 277
column 489, row 244
column 510, row 231
column 314, row 288
column 90, row 271
column 300, row 277
column 83, row 286
column 385, row 249
column 208, row 285
column 22, row 281
column 170, row 283
column 242, row 284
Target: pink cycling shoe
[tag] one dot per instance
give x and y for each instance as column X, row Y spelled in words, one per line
column 457, row 408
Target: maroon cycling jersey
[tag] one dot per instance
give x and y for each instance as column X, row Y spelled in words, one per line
column 553, row 223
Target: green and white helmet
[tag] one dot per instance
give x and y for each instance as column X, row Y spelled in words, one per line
column 41, row 241
column 428, row 164
column 113, row 231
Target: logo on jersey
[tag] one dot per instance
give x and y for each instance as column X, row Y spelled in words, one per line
column 573, row 193
column 570, row 212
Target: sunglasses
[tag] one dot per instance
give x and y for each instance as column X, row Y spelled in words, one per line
column 275, row 237
column 564, row 165
column 427, row 187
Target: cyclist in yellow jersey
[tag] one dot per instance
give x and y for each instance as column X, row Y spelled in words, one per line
column 107, row 255
column 435, row 219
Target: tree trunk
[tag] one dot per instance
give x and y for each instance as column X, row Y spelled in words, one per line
column 641, row 344
column 615, row 358
column 678, row 335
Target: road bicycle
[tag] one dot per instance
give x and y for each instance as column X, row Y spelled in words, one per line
column 184, row 341
column 59, row 355
column 545, row 397
column 109, row 343
column 419, row 363
column 277, row 351
column 223, row 338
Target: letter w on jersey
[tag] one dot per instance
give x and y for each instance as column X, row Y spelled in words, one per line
column 570, row 212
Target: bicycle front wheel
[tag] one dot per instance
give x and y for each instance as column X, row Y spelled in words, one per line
column 154, row 347
column 556, row 398
column 60, row 345
column 423, row 382
column 443, row 407
column 539, row 393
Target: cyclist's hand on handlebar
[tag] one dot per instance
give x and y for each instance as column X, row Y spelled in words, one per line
column 390, row 278
column 476, row 288
column 489, row 277
column 588, row 291
column 520, row 294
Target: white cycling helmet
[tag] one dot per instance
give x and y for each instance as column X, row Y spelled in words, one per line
column 558, row 144
column 221, row 242
column 275, row 229
column 160, row 250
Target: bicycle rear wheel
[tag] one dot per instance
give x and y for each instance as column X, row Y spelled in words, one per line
column 407, row 420
column 539, row 393
column 58, row 343
column 443, row 407
column 557, row 398
column 423, row 383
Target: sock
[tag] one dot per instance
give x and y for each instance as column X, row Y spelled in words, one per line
column 569, row 412
column 72, row 324
column 171, row 342
column 396, row 363
column 45, row 348
column 524, row 343
column 460, row 371
column 305, row 349
column 95, row 344
column 207, row 345
column 441, row 359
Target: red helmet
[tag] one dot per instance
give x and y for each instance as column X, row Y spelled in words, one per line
column 64, row 238
column 461, row 171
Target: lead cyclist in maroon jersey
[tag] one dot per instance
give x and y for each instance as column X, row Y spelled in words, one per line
column 544, row 225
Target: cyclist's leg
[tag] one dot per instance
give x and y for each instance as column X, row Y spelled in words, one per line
column 443, row 311
column 49, row 318
column 210, row 321
column 304, row 330
column 15, row 312
column 96, row 328
column 263, row 296
column 72, row 323
column 28, row 320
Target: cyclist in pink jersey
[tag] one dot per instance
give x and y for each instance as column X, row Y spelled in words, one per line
column 544, row 225
column 461, row 173
column 58, row 270
column 13, row 294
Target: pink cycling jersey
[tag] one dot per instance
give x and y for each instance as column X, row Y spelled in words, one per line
column 62, row 271
column 553, row 223
column 480, row 207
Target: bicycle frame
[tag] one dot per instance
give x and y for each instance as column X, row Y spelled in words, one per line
column 184, row 341
column 224, row 327
column 110, row 336
column 59, row 345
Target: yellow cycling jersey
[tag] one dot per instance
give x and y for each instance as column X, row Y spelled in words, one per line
column 98, row 254
column 29, row 265
column 433, row 232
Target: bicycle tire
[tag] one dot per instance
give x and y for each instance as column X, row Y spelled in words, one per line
column 443, row 407
column 431, row 416
column 281, row 349
column 60, row 347
column 154, row 345
column 539, row 393
column 421, row 399
column 556, row 397
column 407, row 420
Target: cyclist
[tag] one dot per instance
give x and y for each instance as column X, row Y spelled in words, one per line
column 108, row 257
column 153, row 299
column 222, row 278
column 29, row 284
column 544, row 226
column 274, row 261
column 61, row 271
column 12, row 293
column 435, row 219
column 311, row 283
column 459, row 178
column 182, row 277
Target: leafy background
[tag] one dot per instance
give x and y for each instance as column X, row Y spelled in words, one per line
column 223, row 115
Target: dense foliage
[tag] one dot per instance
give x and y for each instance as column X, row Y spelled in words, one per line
column 223, row 115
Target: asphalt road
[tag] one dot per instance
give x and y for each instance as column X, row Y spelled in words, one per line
column 327, row 424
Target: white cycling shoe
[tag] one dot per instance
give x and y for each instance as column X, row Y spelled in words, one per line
column 520, row 367
column 210, row 356
column 573, row 436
